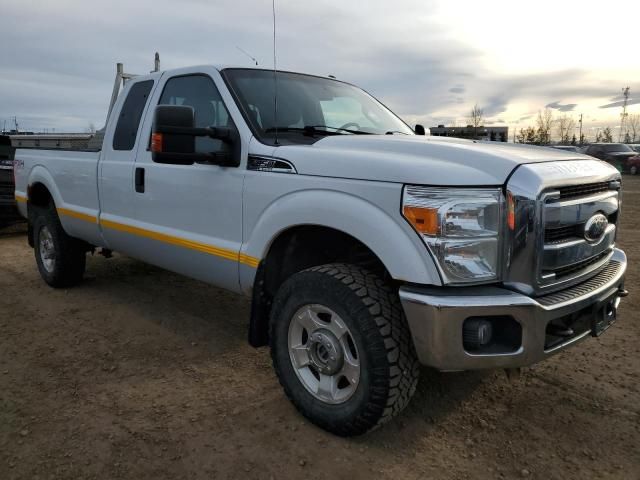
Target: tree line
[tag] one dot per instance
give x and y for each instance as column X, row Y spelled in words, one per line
column 563, row 127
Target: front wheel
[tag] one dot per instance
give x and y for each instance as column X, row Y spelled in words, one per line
column 61, row 259
column 342, row 349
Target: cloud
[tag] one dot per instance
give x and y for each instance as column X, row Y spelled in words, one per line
column 563, row 108
column 621, row 103
column 58, row 66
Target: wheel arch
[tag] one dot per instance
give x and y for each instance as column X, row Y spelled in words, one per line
column 39, row 194
column 320, row 227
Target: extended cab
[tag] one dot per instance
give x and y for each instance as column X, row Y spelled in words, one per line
column 366, row 249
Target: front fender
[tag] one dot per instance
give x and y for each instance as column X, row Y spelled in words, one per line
column 389, row 236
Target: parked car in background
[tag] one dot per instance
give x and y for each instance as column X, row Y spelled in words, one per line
column 616, row 154
column 8, row 211
column 567, row 148
column 633, row 165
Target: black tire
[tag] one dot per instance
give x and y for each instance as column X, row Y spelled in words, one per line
column 372, row 311
column 70, row 257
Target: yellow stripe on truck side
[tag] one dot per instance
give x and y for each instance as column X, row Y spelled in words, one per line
column 80, row 216
column 164, row 238
column 171, row 240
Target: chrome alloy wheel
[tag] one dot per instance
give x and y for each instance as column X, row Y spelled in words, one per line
column 47, row 249
column 323, row 354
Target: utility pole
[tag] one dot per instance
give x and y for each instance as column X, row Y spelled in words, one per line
column 623, row 115
column 580, row 129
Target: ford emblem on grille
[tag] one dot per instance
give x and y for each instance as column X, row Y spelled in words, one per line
column 595, row 228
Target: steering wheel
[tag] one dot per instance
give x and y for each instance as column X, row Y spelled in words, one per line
column 350, row 124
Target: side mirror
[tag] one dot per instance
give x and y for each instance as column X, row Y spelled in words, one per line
column 173, row 138
column 419, row 130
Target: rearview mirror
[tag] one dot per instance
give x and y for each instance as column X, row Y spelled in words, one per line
column 173, row 138
column 419, row 130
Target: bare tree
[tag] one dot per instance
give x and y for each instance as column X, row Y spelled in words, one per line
column 606, row 135
column 565, row 126
column 527, row 135
column 633, row 126
column 476, row 117
column 544, row 122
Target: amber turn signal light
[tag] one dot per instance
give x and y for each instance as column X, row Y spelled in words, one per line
column 424, row 220
column 511, row 212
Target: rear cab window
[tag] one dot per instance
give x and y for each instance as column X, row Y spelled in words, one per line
column 126, row 131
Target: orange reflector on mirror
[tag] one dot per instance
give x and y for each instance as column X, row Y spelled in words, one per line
column 156, row 142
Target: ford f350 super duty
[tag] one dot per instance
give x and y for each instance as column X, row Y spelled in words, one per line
column 366, row 249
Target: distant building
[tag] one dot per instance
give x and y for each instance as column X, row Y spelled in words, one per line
column 66, row 141
column 493, row 134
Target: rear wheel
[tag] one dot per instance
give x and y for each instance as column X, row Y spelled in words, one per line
column 61, row 259
column 342, row 349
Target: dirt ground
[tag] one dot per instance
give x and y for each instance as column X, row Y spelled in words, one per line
column 139, row 373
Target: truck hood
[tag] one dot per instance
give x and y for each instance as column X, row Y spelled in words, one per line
column 416, row 159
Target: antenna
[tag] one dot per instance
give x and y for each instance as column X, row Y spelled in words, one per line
column 624, row 114
column 275, row 78
column 248, row 55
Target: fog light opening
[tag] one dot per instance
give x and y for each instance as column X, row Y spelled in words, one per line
column 491, row 335
column 477, row 332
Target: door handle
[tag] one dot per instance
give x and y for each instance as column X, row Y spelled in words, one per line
column 140, row 180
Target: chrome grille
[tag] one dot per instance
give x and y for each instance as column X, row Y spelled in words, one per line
column 562, row 272
column 574, row 191
column 552, row 235
column 547, row 250
column 602, row 278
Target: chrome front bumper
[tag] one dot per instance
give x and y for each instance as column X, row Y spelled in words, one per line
column 436, row 316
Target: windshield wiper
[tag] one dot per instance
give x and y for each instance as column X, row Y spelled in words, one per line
column 315, row 129
column 304, row 130
column 338, row 129
column 391, row 132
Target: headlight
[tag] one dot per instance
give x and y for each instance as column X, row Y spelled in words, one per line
column 461, row 228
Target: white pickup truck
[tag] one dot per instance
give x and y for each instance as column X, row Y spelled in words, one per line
column 366, row 249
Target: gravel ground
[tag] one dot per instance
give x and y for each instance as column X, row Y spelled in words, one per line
column 140, row 373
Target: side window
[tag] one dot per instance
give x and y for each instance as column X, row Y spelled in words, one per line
column 199, row 92
column 124, row 137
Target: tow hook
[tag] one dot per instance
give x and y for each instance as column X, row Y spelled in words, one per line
column 623, row 292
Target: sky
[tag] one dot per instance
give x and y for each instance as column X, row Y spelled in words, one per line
column 429, row 61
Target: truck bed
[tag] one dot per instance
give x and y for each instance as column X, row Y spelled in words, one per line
column 72, row 177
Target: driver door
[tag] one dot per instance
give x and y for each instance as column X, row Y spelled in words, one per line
column 189, row 217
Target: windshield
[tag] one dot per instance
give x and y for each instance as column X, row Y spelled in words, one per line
column 616, row 147
column 308, row 107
